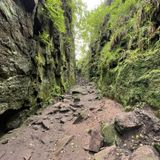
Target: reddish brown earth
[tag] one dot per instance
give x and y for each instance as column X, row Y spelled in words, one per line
column 52, row 134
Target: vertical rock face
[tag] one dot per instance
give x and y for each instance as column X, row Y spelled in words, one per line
column 36, row 60
column 125, row 57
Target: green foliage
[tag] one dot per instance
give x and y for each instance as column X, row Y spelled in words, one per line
column 44, row 38
column 120, row 12
column 82, row 66
column 56, row 14
column 40, row 60
column 78, row 11
column 56, row 90
column 91, row 22
column 126, row 62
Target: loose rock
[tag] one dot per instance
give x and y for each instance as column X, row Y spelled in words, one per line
column 126, row 122
column 46, row 124
column 80, row 117
column 62, row 143
column 108, row 153
column 144, row 153
column 96, row 141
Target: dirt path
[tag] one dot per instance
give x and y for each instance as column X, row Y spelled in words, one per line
column 60, row 132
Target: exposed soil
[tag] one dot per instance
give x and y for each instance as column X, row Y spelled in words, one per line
column 61, row 131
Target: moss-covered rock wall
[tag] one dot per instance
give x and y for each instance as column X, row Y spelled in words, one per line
column 125, row 59
column 36, row 53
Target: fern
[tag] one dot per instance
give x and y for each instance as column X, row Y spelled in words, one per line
column 56, row 14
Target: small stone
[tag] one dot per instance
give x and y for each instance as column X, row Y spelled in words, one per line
column 92, row 108
column 125, row 145
column 46, row 124
column 77, row 105
column 68, row 97
column 79, row 90
column 65, row 119
column 31, row 144
column 5, row 141
column 35, row 127
column 64, row 110
column 58, row 116
column 141, row 135
column 80, row 117
column 77, row 99
column 72, row 144
column 62, row 151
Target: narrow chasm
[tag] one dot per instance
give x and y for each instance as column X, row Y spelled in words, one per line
column 79, row 79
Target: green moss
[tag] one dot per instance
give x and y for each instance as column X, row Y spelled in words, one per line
column 44, row 38
column 109, row 134
column 157, row 147
column 40, row 60
column 126, row 67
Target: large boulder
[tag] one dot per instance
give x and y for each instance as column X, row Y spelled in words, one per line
column 125, row 122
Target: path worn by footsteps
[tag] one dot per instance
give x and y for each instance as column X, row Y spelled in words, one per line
column 84, row 127
column 60, row 132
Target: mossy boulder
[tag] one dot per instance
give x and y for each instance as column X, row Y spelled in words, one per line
column 126, row 66
column 109, row 134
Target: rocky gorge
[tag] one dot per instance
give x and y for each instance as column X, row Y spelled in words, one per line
column 103, row 106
